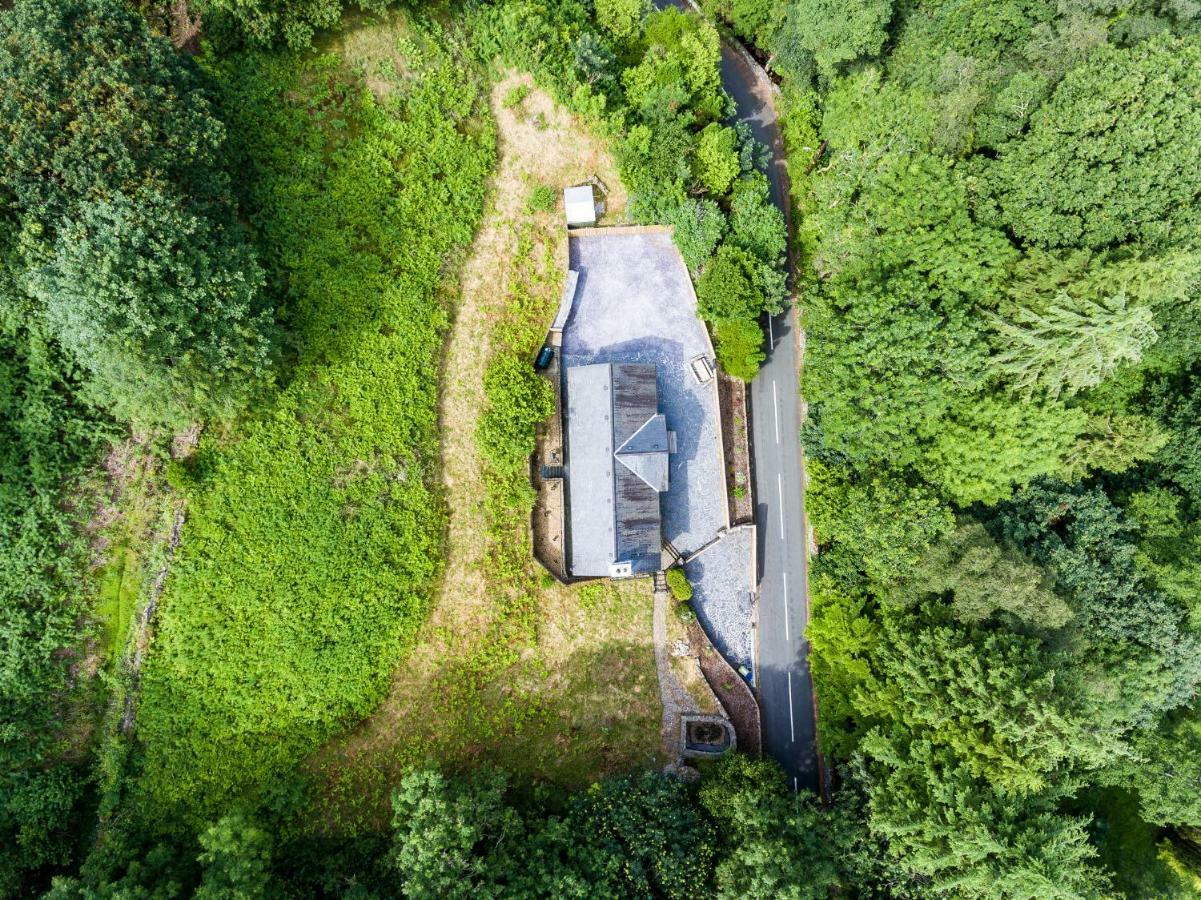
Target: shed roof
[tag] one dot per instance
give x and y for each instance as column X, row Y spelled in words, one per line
column 579, row 205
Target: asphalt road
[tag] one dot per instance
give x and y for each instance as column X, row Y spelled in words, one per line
column 784, row 681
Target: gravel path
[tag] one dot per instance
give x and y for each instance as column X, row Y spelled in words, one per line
column 722, row 594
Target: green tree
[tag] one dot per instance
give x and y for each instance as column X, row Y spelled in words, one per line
column 834, row 33
column 136, row 261
column 1166, row 771
column 451, row 832
column 993, row 444
column 622, row 19
column 638, row 836
column 777, row 845
column 996, row 700
column 1113, row 156
column 965, row 839
column 236, row 859
column 159, row 306
column 716, row 164
column 881, row 523
column 984, row 577
column 731, row 301
column 1071, row 346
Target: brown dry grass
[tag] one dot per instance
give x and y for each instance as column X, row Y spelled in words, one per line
column 688, row 667
column 583, row 699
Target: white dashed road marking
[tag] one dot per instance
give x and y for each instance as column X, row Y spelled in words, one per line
column 780, row 490
column 775, row 403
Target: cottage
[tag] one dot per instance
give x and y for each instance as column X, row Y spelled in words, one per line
column 617, row 467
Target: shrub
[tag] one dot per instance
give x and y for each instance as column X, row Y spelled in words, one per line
column 542, row 199
column 677, row 583
column 685, row 613
column 515, row 95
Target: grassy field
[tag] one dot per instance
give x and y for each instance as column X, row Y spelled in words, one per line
column 511, row 667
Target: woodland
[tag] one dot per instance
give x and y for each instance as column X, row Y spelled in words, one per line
column 997, row 248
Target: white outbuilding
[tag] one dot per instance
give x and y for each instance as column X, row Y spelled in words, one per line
column 580, row 206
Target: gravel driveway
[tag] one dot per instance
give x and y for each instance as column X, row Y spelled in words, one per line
column 721, row 584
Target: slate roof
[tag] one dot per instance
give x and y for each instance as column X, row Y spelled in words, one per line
column 613, row 417
column 645, row 453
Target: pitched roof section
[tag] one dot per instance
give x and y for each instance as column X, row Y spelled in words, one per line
column 650, row 438
column 614, row 510
column 645, row 453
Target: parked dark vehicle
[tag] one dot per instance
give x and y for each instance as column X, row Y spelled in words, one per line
column 545, row 355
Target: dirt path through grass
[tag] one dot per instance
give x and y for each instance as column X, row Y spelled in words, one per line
column 568, row 692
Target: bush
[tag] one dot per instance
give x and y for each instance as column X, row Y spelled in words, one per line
column 515, row 96
column 542, row 199
column 685, row 613
column 677, row 583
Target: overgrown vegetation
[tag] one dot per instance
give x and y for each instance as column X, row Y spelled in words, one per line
column 315, row 529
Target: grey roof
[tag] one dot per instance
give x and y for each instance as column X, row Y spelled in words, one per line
column 645, row 453
column 579, row 205
column 614, row 509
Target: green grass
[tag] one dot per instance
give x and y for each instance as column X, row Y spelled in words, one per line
column 316, row 529
column 119, row 586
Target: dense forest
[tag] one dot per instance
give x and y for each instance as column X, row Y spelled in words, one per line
column 997, row 209
column 999, row 225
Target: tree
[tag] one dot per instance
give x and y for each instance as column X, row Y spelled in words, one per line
column 834, row 33
column 622, row 19
column 159, row 306
column 716, row 164
column 1165, row 769
column 778, row 845
column 236, row 859
column 729, row 299
column 968, row 841
column 135, row 258
column 452, row 833
column 983, row 578
column 992, row 444
column 881, row 524
column 1113, row 156
column 1073, row 345
column 1010, row 712
column 679, row 70
column 638, row 836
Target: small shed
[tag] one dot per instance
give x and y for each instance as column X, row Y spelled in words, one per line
column 580, row 205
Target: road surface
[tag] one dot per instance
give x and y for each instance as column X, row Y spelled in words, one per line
column 785, row 684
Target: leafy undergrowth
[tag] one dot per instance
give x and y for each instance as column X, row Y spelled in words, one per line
column 1129, row 847
column 551, row 683
column 316, row 528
